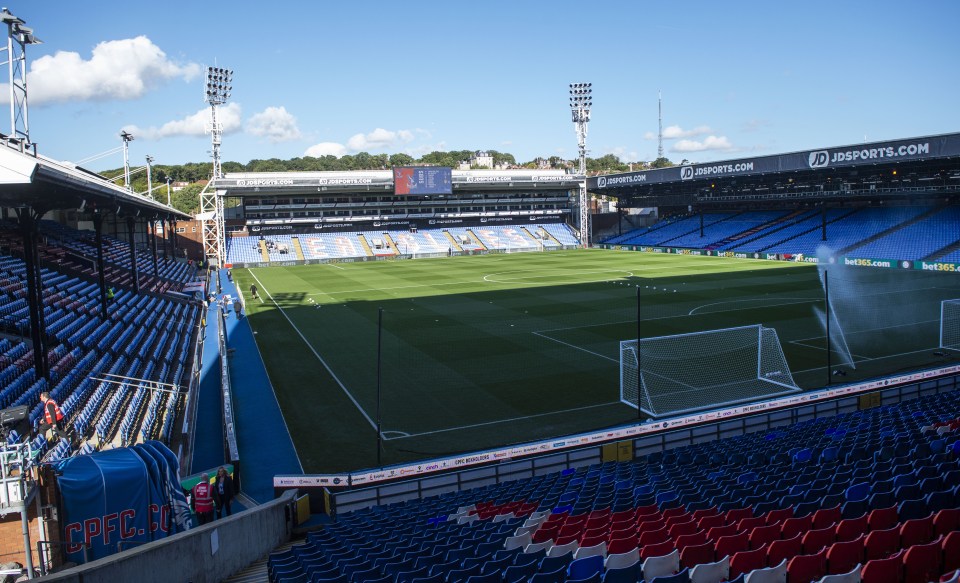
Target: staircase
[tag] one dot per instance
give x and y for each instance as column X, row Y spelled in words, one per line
column 297, row 248
column 263, row 250
column 366, row 246
column 476, row 239
column 389, row 241
column 758, row 229
column 453, row 241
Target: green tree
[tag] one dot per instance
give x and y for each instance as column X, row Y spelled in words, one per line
column 401, row 159
column 661, row 163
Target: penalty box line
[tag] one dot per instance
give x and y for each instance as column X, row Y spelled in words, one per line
column 316, row 354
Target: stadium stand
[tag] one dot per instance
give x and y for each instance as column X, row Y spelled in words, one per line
column 146, row 337
column 919, row 240
column 869, row 492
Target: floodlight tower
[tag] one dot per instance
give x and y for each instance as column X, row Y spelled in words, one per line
column 127, row 138
column 581, row 99
column 217, row 91
column 18, row 37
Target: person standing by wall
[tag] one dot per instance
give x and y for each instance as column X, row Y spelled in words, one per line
column 203, row 499
column 52, row 417
column 222, row 492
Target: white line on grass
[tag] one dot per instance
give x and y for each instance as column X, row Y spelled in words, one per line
column 315, row 353
column 864, row 359
column 576, row 347
column 754, row 300
column 486, row 423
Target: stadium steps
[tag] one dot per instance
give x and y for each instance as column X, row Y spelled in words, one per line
column 697, row 229
column 264, row 253
column 390, row 243
column 942, row 252
column 893, row 229
column 366, row 246
column 257, row 572
column 477, row 239
column 453, row 241
column 538, row 242
column 297, row 248
column 818, row 226
column 784, row 220
column 550, row 236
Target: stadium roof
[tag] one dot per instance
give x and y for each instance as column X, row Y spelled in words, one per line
column 809, row 162
column 32, row 180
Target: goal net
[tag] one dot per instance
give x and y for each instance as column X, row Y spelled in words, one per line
column 703, row 370
column 950, row 324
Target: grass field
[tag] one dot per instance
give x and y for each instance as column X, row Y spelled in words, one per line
column 489, row 350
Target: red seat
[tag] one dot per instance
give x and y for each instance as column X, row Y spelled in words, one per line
column 708, row 522
column 794, row 526
column 880, row 544
column 807, row 568
column 650, row 510
column 851, row 528
column 951, row 551
column 674, row 511
column 592, row 541
column 881, row 571
column 622, row 545
column 628, row 515
column 712, row 511
column 622, row 531
column 545, row 533
column 656, row 550
column 921, row 563
column 827, row 517
column 883, row 518
column 594, row 533
column 843, row 556
column 676, row 518
column 716, row 532
column 814, row 540
column 779, row 515
column 682, row 528
column 751, row 523
column 685, row 540
column 601, row 514
column 946, row 521
column 762, row 535
column 779, row 550
column 739, row 514
column 693, row 555
column 652, row 522
column 569, row 531
column 652, row 537
column 728, row 545
column 746, row 561
column 917, row 531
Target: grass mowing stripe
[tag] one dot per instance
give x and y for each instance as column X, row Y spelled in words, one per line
column 315, row 353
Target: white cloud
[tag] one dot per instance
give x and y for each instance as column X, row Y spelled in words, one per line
column 709, row 143
column 326, row 149
column 676, row 132
column 379, row 139
column 192, row 125
column 622, row 153
column 119, row 69
column 274, row 123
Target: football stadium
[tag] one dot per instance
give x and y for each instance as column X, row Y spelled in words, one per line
column 744, row 370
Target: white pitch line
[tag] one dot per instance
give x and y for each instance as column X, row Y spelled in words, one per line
column 865, row 359
column 577, row 348
column 510, row 420
column 315, row 353
column 755, row 300
column 334, row 265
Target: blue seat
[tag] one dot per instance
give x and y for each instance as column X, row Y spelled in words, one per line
column 585, row 567
column 681, row 577
column 557, row 576
column 519, row 573
column 492, row 577
column 858, row 492
column 629, row 574
column 595, row 578
column 911, row 509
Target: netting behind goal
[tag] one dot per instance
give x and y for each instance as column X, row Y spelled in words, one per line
column 690, row 372
column 950, row 324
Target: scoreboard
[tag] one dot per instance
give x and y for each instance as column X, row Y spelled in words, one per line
column 419, row 180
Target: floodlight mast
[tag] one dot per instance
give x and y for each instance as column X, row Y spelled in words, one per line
column 18, row 37
column 217, row 89
column 581, row 100
column 127, row 138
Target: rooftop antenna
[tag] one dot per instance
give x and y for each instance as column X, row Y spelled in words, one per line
column 660, row 131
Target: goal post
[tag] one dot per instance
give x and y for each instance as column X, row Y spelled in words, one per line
column 950, row 324
column 682, row 373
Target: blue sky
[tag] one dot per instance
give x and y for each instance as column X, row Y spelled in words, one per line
column 738, row 78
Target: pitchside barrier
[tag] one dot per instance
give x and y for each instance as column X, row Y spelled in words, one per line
column 940, row 266
column 334, row 493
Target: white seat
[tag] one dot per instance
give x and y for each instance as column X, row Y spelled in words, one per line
column 560, row 550
column 534, row 547
column 468, row 518
column 598, row 549
column 517, row 542
column 662, row 566
column 622, row 560
column 851, row 577
column 776, row 574
column 502, row 517
column 711, row 572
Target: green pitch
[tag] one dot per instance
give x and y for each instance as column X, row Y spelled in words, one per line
column 482, row 351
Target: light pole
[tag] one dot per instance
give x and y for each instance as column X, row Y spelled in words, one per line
column 168, row 191
column 127, row 138
column 18, row 37
column 149, row 177
column 217, row 90
column 581, row 99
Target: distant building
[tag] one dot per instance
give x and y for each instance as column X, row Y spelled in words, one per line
column 479, row 159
